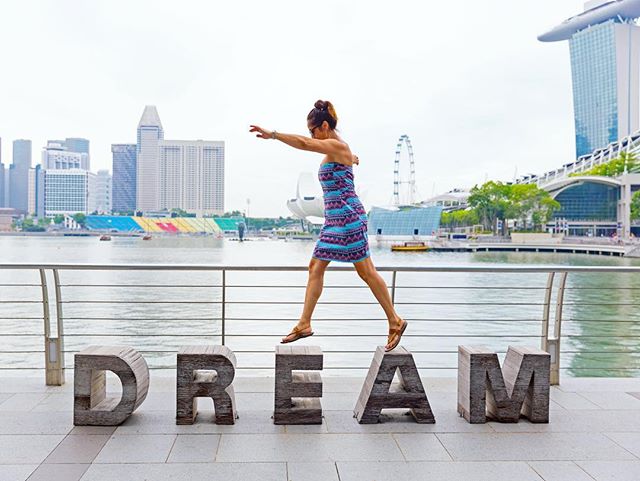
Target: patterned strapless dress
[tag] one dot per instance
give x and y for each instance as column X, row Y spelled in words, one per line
column 343, row 236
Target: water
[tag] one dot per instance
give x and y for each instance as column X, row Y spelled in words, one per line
column 600, row 328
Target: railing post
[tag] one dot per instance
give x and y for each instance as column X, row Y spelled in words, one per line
column 554, row 343
column 53, row 346
column 223, row 316
column 544, row 344
column 393, row 287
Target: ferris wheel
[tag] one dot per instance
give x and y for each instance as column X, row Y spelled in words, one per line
column 411, row 198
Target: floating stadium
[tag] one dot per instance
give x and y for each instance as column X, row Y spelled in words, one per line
column 167, row 225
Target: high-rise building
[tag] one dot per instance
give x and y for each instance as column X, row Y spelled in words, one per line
column 77, row 144
column 2, row 188
column 69, row 191
column 604, row 43
column 124, row 177
column 150, row 132
column 56, row 156
column 19, row 175
column 103, row 192
column 192, row 176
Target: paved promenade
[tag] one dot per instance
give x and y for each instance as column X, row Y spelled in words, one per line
column 594, row 434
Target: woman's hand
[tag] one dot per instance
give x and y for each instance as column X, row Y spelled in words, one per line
column 262, row 133
column 355, row 159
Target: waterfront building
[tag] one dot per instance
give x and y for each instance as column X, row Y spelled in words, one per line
column 19, row 175
column 69, row 191
column 124, row 177
column 404, row 221
column 455, row 199
column 176, row 174
column 2, row 176
column 150, row 132
column 192, row 176
column 103, row 192
column 604, row 44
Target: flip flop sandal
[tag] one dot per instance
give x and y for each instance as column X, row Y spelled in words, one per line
column 398, row 333
column 297, row 334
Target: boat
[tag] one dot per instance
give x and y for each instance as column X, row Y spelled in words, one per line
column 146, row 237
column 410, row 246
column 105, row 237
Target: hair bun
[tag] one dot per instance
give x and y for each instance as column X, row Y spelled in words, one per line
column 320, row 105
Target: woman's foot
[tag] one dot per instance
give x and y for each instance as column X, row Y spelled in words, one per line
column 298, row 332
column 395, row 334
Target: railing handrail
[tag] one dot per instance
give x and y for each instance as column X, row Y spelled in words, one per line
column 222, row 267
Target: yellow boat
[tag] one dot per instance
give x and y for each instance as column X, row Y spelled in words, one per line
column 410, row 247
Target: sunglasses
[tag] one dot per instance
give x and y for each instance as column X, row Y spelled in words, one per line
column 312, row 130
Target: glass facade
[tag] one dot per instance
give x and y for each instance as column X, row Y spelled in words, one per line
column 595, row 97
column 66, row 191
column 123, row 196
column 409, row 221
column 588, row 201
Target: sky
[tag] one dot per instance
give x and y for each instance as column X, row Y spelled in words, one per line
column 478, row 95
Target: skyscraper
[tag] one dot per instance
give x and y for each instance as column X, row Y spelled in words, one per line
column 2, row 189
column 147, row 160
column 124, row 177
column 604, row 43
column 19, row 175
column 192, row 176
column 103, row 192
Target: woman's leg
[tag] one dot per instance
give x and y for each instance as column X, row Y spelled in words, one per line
column 367, row 271
column 312, row 294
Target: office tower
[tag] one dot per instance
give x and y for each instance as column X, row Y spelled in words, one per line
column 56, row 156
column 19, row 175
column 604, row 43
column 124, row 177
column 69, row 191
column 2, row 176
column 192, row 176
column 103, row 192
column 150, row 132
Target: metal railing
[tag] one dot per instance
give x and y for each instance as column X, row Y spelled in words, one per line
column 157, row 308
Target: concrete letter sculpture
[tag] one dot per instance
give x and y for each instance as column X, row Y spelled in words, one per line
column 377, row 393
column 192, row 384
column 306, row 388
column 483, row 391
column 91, row 405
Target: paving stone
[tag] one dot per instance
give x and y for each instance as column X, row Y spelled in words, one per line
column 421, row 447
column 612, row 470
column 324, row 447
column 194, row 448
column 532, row 447
column 55, row 402
column 612, row 400
column 164, row 422
column 572, row 400
column 136, row 448
column 436, row 470
column 312, row 471
column 59, row 472
column 559, row 471
column 629, row 441
column 16, row 472
column 36, row 423
column 583, row 421
column 83, row 430
column 78, row 449
column 22, row 402
column 397, row 421
column 21, row 449
column 187, row 472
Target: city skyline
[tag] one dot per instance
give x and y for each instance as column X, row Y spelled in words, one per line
column 438, row 85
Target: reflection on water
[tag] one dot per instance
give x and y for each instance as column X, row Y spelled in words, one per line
column 600, row 316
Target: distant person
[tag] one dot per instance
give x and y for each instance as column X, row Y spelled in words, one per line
column 241, row 229
column 343, row 237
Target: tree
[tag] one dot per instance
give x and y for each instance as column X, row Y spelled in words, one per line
column 490, row 201
column 59, row 219
column 80, row 218
column 635, row 206
column 625, row 162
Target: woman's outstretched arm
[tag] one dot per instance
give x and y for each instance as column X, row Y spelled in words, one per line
column 327, row 146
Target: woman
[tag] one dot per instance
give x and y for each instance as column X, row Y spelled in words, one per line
column 343, row 237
